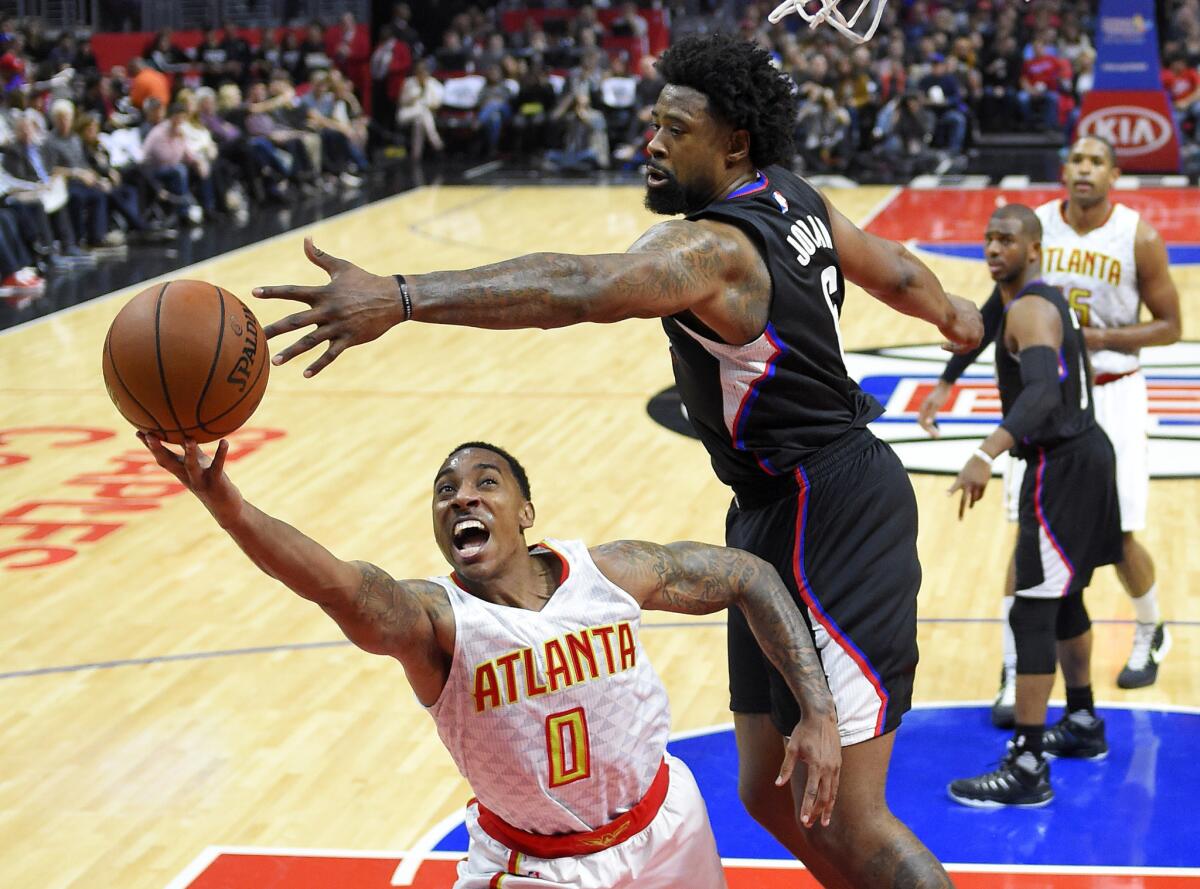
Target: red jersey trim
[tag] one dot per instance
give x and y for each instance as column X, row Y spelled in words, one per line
column 570, row 845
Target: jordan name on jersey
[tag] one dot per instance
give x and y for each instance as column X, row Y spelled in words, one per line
column 570, row 659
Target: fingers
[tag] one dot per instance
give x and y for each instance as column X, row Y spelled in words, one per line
column 218, row 461
column 962, row 504
column 927, row 420
column 320, row 258
column 336, row 347
column 294, row 322
column 787, row 766
column 301, row 292
column 302, row 345
column 164, row 457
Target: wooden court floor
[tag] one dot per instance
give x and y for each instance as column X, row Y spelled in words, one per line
column 159, row 695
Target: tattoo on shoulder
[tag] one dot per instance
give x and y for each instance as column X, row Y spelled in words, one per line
column 393, row 605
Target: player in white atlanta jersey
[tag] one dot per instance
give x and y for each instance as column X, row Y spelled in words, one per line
column 1108, row 261
column 528, row 660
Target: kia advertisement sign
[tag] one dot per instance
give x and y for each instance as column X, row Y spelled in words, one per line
column 1128, row 105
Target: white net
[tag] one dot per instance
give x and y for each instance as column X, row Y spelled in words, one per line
column 826, row 12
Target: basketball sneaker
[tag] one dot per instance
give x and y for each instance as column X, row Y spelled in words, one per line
column 1076, row 736
column 1022, row 780
column 1151, row 642
column 1004, row 707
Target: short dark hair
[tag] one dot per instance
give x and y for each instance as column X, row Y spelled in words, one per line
column 743, row 87
column 514, row 465
column 1031, row 226
column 1109, row 148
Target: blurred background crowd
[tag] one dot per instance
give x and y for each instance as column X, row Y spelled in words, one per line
column 111, row 139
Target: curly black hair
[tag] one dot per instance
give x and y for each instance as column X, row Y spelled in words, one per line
column 743, row 87
column 518, row 470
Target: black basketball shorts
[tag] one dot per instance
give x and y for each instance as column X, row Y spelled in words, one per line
column 1069, row 519
column 844, row 540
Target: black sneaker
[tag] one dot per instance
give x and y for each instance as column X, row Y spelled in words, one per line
column 1151, row 642
column 1004, row 707
column 1071, row 738
column 1022, row 780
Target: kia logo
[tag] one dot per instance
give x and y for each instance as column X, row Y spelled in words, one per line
column 1132, row 129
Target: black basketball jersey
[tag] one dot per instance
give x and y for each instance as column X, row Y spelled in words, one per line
column 1073, row 415
column 763, row 408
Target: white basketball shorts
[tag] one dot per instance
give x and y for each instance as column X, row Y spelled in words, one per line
column 676, row 849
column 1122, row 410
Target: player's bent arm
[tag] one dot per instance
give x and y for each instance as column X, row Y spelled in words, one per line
column 1036, row 329
column 674, row 266
column 696, row 578
column 1157, row 291
column 889, row 272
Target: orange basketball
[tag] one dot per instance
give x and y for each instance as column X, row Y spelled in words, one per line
column 186, row 358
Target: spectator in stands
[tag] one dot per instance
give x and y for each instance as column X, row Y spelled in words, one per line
column 904, row 128
column 87, row 202
column 291, row 57
column 349, row 113
column 350, row 48
column 213, row 59
column 30, row 188
column 1000, row 107
column 340, row 153
column 587, row 20
column 1044, row 84
column 585, row 142
column 492, row 52
column 495, row 109
column 532, row 107
column 823, row 130
column 1085, row 74
column 890, row 72
column 228, row 193
column 124, row 196
column 267, row 57
column 452, row 57
column 162, row 54
column 171, row 163
column 945, row 99
column 390, row 63
column 261, row 122
column 238, row 54
column 12, row 73
column 17, row 273
column 147, row 82
column 419, row 99
column 1072, row 40
column 404, row 31
column 313, row 51
column 265, row 167
column 1182, row 84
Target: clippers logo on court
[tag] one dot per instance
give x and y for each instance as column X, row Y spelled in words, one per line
column 1131, row 129
column 901, row 377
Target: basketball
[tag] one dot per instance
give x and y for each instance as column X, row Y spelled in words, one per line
column 185, row 359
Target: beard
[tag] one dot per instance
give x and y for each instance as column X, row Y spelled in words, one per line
column 673, row 197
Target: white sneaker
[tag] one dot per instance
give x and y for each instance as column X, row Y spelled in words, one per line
column 1151, row 642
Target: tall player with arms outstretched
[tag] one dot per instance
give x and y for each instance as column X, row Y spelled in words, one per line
column 1108, row 262
column 529, row 662
column 749, row 287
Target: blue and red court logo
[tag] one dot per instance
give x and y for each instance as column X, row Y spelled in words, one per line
column 1123, row 823
column 901, row 377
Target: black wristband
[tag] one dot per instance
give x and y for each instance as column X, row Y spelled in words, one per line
column 404, row 297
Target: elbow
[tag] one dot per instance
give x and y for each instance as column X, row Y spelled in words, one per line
column 1173, row 332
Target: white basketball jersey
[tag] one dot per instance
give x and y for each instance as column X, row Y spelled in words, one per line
column 1097, row 273
column 555, row 717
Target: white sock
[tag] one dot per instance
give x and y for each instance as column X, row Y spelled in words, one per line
column 1010, row 642
column 1146, row 607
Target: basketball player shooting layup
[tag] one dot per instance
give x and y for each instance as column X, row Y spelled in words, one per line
column 1108, row 261
column 749, row 286
column 528, row 660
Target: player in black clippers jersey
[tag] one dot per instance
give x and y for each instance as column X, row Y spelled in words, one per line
column 1069, row 520
column 750, row 285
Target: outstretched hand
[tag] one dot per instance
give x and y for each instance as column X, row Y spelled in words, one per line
column 355, row 307
column 972, row 480
column 816, row 743
column 204, row 476
column 964, row 330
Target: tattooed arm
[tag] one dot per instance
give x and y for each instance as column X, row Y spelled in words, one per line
column 409, row 620
column 709, row 268
column 694, row 578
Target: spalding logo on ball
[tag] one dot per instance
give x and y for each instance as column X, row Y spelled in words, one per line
column 186, row 359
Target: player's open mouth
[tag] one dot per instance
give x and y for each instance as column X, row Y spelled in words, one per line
column 655, row 179
column 470, row 536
